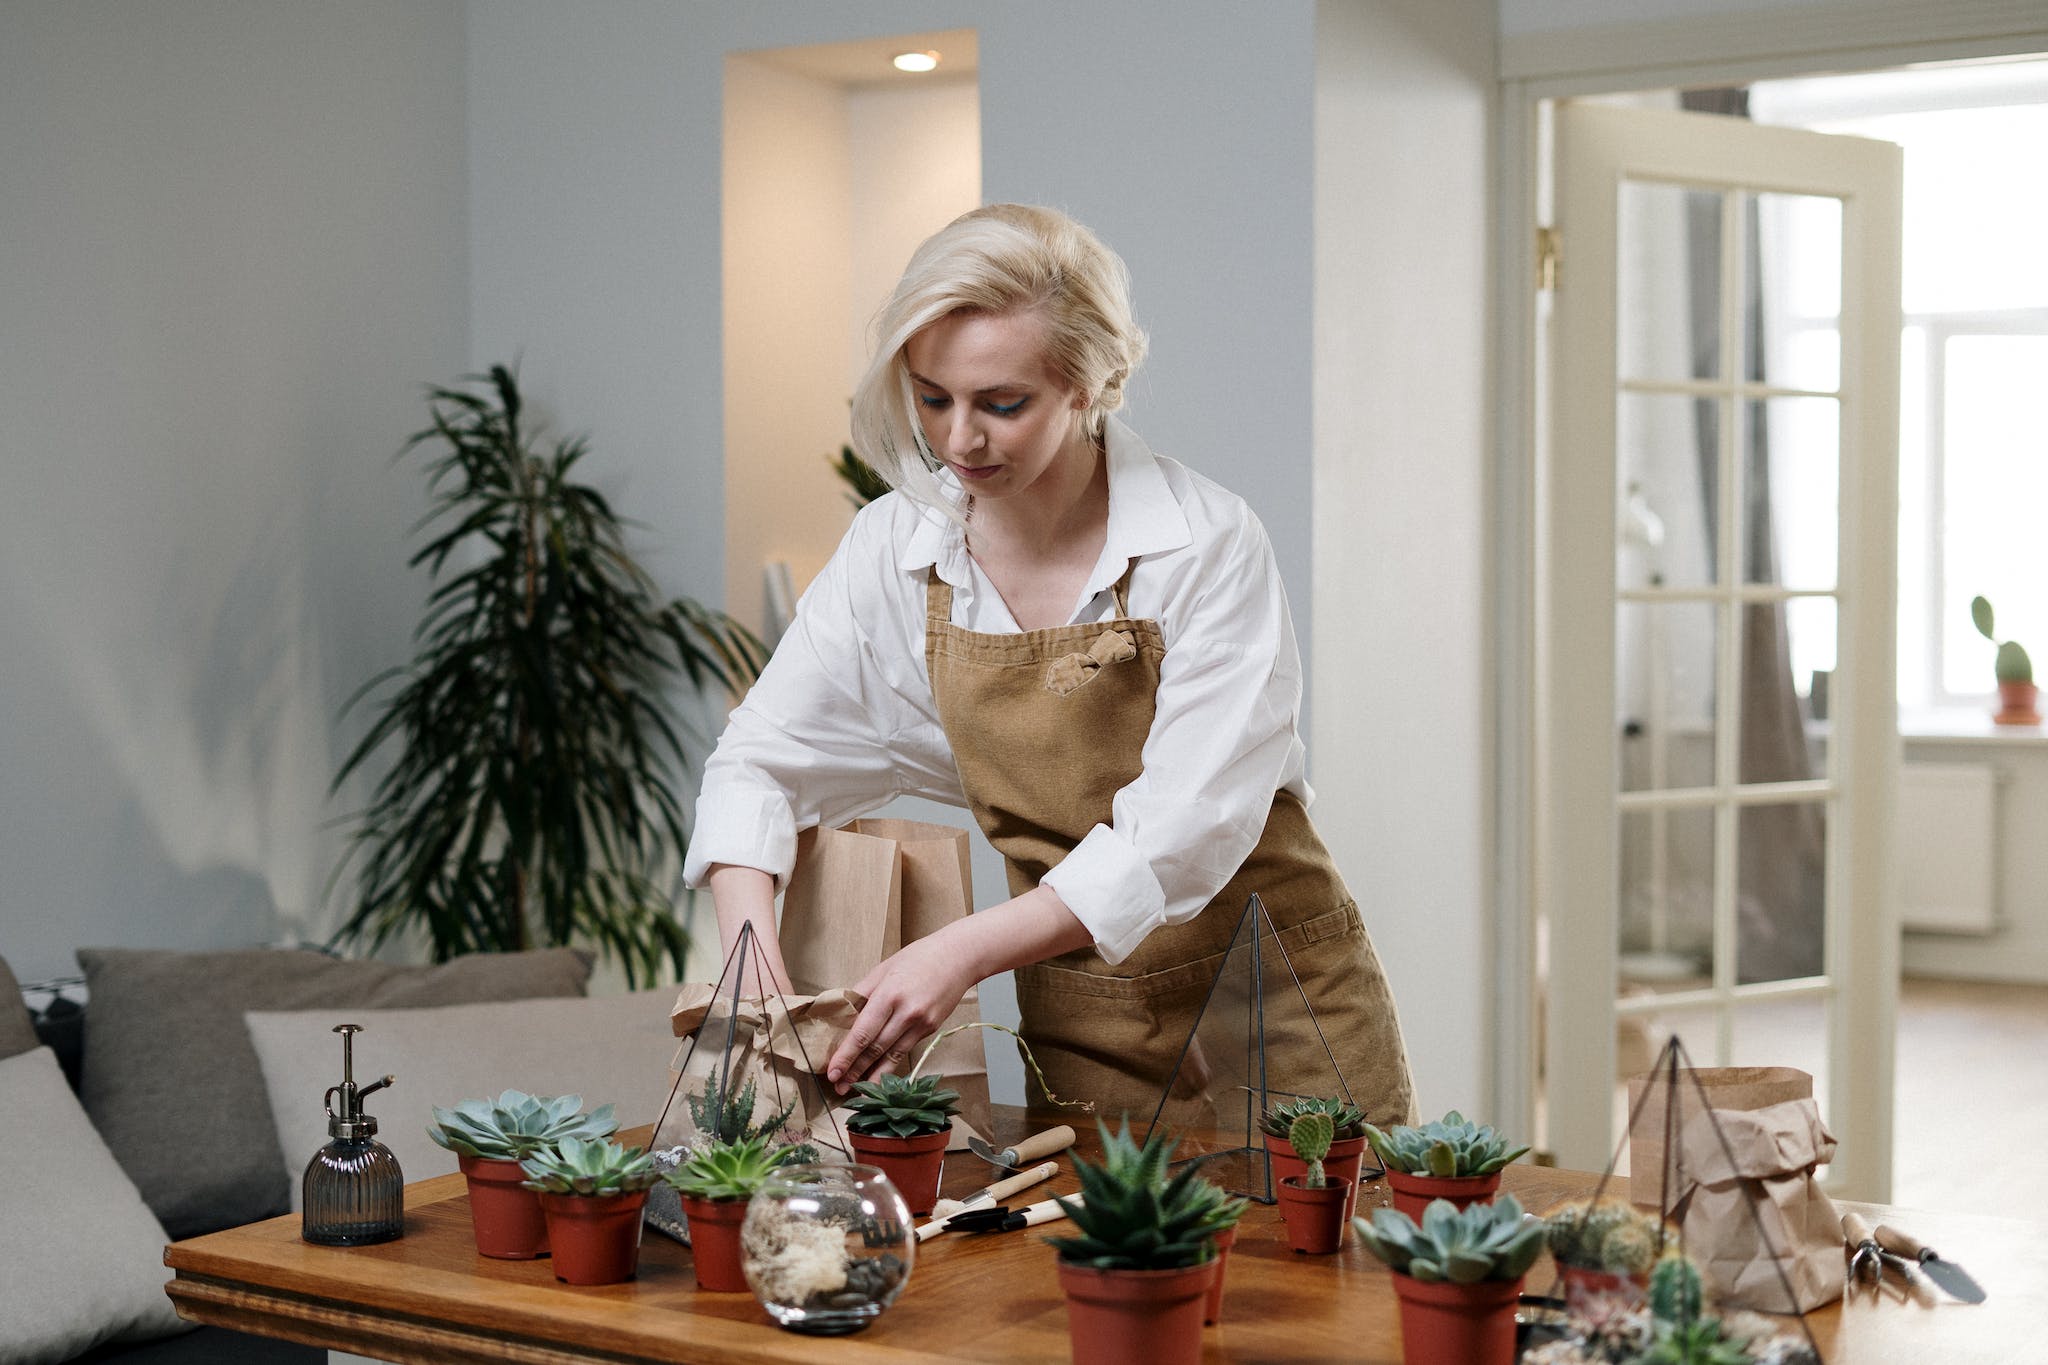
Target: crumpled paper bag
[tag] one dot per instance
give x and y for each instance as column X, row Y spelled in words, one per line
column 1767, row 1164
column 780, row 1043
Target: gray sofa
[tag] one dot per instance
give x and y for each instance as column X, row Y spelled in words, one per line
column 143, row 1117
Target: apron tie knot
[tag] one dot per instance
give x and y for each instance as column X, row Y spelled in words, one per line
column 1070, row 671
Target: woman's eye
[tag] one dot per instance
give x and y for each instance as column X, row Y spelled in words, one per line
column 933, row 401
column 1007, row 409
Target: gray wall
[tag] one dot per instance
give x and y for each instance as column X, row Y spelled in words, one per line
column 232, row 245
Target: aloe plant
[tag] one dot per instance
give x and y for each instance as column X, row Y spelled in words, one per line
column 516, row 1125
column 1310, row 1136
column 1345, row 1117
column 1460, row 1246
column 1131, row 1216
column 730, row 1170
column 599, row 1167
column 1447, row 1147
column 897, row 1106
column 2012, row 664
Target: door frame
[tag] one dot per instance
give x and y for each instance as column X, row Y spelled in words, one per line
column 1534, row 70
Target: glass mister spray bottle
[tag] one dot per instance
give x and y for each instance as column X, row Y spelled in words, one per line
column 354, row 1193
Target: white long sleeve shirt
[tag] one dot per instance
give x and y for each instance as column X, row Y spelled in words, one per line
column 843, row 720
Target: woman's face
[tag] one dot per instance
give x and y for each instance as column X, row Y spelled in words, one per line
column 991, row 404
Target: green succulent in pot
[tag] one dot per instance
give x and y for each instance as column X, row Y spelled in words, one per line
column 1310, row 1136
column 1680, row 1334
column 901, row 1107
column 1132, row 1216
column 721, row 1170
column 516, row 1125
column 1445, row 1148
column 1609, row 1235
column 2012, row 664
column 598, row 1167
column 1347, row 1120
column 1459, row 1246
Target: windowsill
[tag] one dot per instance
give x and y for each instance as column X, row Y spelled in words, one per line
column 1964, row 725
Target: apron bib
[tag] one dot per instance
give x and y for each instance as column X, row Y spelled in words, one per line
column 1046, row 727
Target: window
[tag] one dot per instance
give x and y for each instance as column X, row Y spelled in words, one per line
column 1973, row 447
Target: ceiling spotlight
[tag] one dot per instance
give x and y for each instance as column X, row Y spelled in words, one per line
column 917, row 61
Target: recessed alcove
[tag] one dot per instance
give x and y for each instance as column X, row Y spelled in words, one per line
column 836, row 166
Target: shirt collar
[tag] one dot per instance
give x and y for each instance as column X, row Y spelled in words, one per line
column 1144, row 518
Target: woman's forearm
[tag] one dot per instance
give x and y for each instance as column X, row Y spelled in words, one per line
column 742, row 896
column 1029, row 928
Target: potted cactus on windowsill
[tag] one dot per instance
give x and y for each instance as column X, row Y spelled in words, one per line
column 490, row 1138
column 1313, row 1204
column 1138, row 1273
column 1449, row 1158
column 901, row 1124
column 1346, row 1158
column 715, row 1184
column 1458, row 1275
column 592, row 1194
column 2017, row 697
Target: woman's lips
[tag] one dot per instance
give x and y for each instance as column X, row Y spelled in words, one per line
column 976, row 471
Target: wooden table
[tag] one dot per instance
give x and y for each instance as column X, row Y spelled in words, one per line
column 429, row 1297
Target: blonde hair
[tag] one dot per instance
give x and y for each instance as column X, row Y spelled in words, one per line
column 1002, row 258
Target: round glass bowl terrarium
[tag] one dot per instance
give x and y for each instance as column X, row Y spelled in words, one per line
column 827, row 1247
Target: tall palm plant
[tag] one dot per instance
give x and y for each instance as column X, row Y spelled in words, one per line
column 533, row 795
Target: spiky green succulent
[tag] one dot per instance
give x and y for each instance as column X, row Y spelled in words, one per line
column 1606, row 1234
column 897, row 1106
column 2012, row 664
column 1675, row 1293
column 1463, row 1246
column 597, row 1167
column 733, row 1120
column 516, row 1125
column 1131, row 1216
column 1446, row 1147
column 1310, row 1137
column 1347, row 1118
column 732, row 1170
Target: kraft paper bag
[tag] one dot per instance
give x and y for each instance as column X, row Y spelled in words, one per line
column 859, row 893
column 1774, row 1141
column 779, row 1044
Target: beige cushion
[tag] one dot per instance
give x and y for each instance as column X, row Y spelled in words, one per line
column 81, row 1256
column 17, row 1028
column 609, row 1049
column 172, row 1082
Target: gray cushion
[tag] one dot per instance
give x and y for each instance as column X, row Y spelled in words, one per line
column 81, row 1259
column 17, row 1029
column 172, row 1080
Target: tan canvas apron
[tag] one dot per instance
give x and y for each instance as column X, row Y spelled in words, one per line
column 1046, row 727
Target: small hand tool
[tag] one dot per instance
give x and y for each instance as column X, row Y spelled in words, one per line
column 1007, row 1219
column 1048, row 1143
column 1865, row 1257
column 1950, row 1276
column 987, row 1196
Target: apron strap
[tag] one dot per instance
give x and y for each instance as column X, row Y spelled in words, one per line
column 938, row 597
column 1123, row 591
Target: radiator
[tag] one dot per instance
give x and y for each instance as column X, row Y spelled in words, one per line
column 1948, row 847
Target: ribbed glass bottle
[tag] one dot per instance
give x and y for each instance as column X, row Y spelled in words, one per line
column 354, row 1194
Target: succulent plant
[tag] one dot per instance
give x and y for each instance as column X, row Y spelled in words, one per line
column 1462, row 1246
column 1675, row 1295
column 1446, row 1147
column 597, row 1167
column 1347, row 1118
column 897, row 1106
column 731, row 1170
column 1680, row 1336
column 1310, row 1137
column 2012, row 664
column 733, row 1121
column 1131, row 1216
column 1607, row 1234
column 516, row 1125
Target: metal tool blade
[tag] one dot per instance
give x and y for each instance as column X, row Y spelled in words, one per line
column 1048, row 1143
column 1952, row 1278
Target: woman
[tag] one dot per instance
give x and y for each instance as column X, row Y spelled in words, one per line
column 1086, row 644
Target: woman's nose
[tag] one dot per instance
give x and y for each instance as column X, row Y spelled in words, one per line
column 963, row 433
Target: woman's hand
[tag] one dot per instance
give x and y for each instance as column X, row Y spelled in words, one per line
column 909, row 994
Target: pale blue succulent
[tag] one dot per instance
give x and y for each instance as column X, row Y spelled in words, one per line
column 516, row 1125
column 1480, row 1242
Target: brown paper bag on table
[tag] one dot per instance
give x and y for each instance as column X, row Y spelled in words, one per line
column 779, row 1044
column 859, row 893
column 1775, row 1138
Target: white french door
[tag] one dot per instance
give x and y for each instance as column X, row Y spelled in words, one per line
column 1717, row 745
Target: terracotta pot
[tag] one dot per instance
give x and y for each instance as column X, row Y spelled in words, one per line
column 1414, row 1193
column 913, row 1164
column 1585, row 1287
column 596, row 1237
column 2017, row 704
column 1472, row 1324
column 1136, row 1317
column 507, row 1218
column 1315, row 1218
column 1212, row 1304
column 1346, row 1158
column 715, row 1242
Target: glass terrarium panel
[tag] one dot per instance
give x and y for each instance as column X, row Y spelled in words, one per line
column 1795, row 250
column 1666, row 901
column 1639, row 1042
column 1781, row 891
column 1664, row 693
column 1667, row 453
column 1662, row 232
column 1791, row 498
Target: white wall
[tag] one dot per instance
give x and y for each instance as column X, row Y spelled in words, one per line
column 1403, row 128
column 232, row 246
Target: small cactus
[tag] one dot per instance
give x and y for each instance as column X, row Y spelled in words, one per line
column 2012, row 664
column 1311, row 1136
column 1675, row 1292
